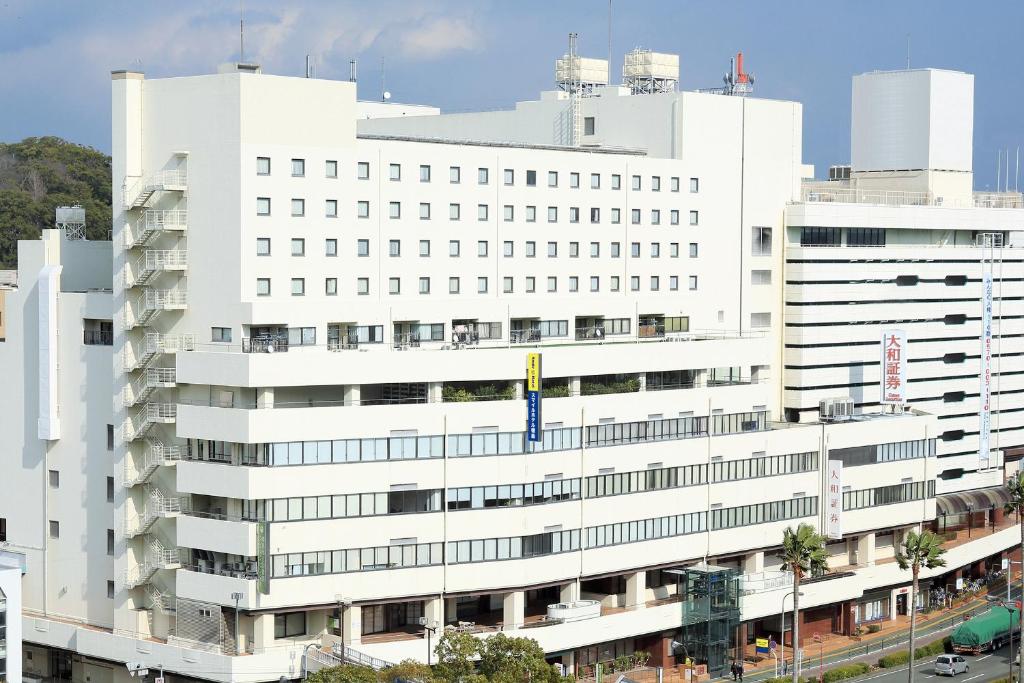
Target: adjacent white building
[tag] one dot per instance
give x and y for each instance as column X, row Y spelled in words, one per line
column 301, row 418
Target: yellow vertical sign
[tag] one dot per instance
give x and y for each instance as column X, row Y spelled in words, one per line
column 533, row 383
column 533, row 372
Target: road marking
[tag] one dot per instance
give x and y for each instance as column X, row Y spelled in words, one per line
column 985, row 657
column 973, row 677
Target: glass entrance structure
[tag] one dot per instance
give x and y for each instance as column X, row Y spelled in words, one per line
column 711, row 615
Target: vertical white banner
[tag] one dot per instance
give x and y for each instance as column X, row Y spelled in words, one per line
column 985, row 412
column 894, row 367
column 834, row 500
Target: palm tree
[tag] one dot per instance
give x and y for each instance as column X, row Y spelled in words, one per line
column 803, row 553
column 918, row 550
column 1015, row 489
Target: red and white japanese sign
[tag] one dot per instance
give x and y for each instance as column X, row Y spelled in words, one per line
column 834, row 500
column 894, row 367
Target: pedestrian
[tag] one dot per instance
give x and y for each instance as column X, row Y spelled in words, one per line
column 732, row 668
column 739, row 670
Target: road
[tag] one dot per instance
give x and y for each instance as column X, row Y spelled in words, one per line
column 987, row 667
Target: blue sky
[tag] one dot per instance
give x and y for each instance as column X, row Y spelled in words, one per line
column 56, row 55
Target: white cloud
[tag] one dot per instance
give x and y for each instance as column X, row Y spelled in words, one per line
column 438, row 36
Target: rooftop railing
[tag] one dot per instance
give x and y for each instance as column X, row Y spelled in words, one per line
column 818, row 192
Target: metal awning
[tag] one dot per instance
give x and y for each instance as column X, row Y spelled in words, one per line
column 978, row 500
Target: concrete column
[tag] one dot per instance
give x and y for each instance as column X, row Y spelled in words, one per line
column 263, row 631
column 700, row 377
column 574, row 386
column 866, row 550
column 352, row 624
column 451, row 611
column 753, row 563
column 265, row 397
column 520, row 387
column 435, row 392
column 513, row 609
column 636, row 588
column 641, row 378
column 569, row 663
column 352, row 392
column 433, row 610
column 570, row 592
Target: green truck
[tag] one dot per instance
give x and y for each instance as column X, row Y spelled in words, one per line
column 984, row 632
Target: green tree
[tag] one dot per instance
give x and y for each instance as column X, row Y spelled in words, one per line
column 916, row 551
column 1015, row 489
column 346, row 673
column 456, row 653
column 408, row 670
column 504, row 659
column 803, row 553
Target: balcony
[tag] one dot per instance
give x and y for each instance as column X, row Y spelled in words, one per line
column 236, row 536
column 98, row 337
column 151, row 224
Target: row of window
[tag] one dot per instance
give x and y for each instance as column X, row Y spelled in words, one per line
column 513, row 495
column 357, row 559
column 833, row 237
column 298, row 170
column 298, row 285
column 645, row 529
column 508, row 213
column 513, row 548
column 888, row 495
column 885, row 452
column 298, row 248
column 352, row 505
column 761, row 513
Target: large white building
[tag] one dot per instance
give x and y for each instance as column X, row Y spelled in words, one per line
column 294, row 410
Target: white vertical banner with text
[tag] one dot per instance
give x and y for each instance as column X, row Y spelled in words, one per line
column 894, row 367
column 834, row 500
column 985, row 412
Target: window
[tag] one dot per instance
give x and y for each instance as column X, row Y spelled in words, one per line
column 424, row 247
column 574, row 283
column 762, row 241
column 655, row 217
column 506, row 285
column 693, row 282
column 54, row 478
column 298, row 168
column 635, row 214
column 531, row 179
column 331, row 286
column 363, row 286
column 424, row 174
column 552, row 178
column 363, row 209
column 673, row 217
column 330, row 247
column 865, row 237
column 298, row 247
column 331, row 208
column 595, row 181
column 262, row 165
column 574, row 180
column 424, row 285
column 655, row 183
column 3, row 529
column 634, row 249
column 508, row 213
column 760, row 277
column 615, row 249
column 331, row 168
column 595, row 249
column 482, row 176
column 110, row 445
column 481, row 212
column 453, row 285
column 110, row 481
column 453, row 247
column 695, row 185
column 263, row 286
column 655, row 283
column 595, row 283
column 760, row 319
column 636, row 182
column 552, row 283
column 263, row 206
column 508, row 249
column 673, row 283
column 110, row 589
column 615, row 283
column 454, row 212
column 394, row 285
column 531, row 214
column 531, row 284
column 54, row 529
column 821, row 237
column 616, row 216
column 588, row 125
column 595, row 215
column 481, row 248
column 110, row 541
column 395, row 210
column 552, row 249
column 424, row 211
column 693, row 250
column 694, row 218
column 220, row 334
column 454, row 175
column 298, row 286
column 674, row 184
column 673, row 250
column 574, row 249
column 509, row 176
column 263, row 246
column 616, row 181
column 481, row 285
column 552, row 214
column 289, row 624
column 634, row 283
column 655, row 249
column 395, row 172
column 362, row 247
column 363, row 170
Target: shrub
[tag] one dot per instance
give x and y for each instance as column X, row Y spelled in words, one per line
column 937, row 647
column 788, row 679
column 346, row 673
column 894, row 659
column 874, row 628
column 555, row 391
column 845, row 671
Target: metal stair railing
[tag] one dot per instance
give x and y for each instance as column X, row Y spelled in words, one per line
column 136, row 426
column 151, row 223
column 151, row 302
column 139, row 191
column 156, row 455
column 154, row 261
column 153, row 344
column 146, row 383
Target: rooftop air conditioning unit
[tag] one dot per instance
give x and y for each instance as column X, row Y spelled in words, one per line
column 835, row 409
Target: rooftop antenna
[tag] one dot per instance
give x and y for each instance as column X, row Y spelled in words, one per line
column 609, row 41
column 241, row 33
column 307, row 66
column 352, row 70
column 384, row 94
column 908, row 52
column 999, row 169
column 1016, row 172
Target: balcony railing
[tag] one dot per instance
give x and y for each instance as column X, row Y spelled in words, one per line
column 98, row 337
column 761, row 582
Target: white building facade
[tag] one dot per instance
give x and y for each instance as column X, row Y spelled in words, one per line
column 320, row 322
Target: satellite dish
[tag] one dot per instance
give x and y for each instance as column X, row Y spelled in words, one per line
column 387, row 95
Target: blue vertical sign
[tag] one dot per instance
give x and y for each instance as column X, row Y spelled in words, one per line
column 533, row 385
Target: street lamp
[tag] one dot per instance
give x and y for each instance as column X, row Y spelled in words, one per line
column 238, row 647
column 782, row 635
column 429, row 627
column 342, row 601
